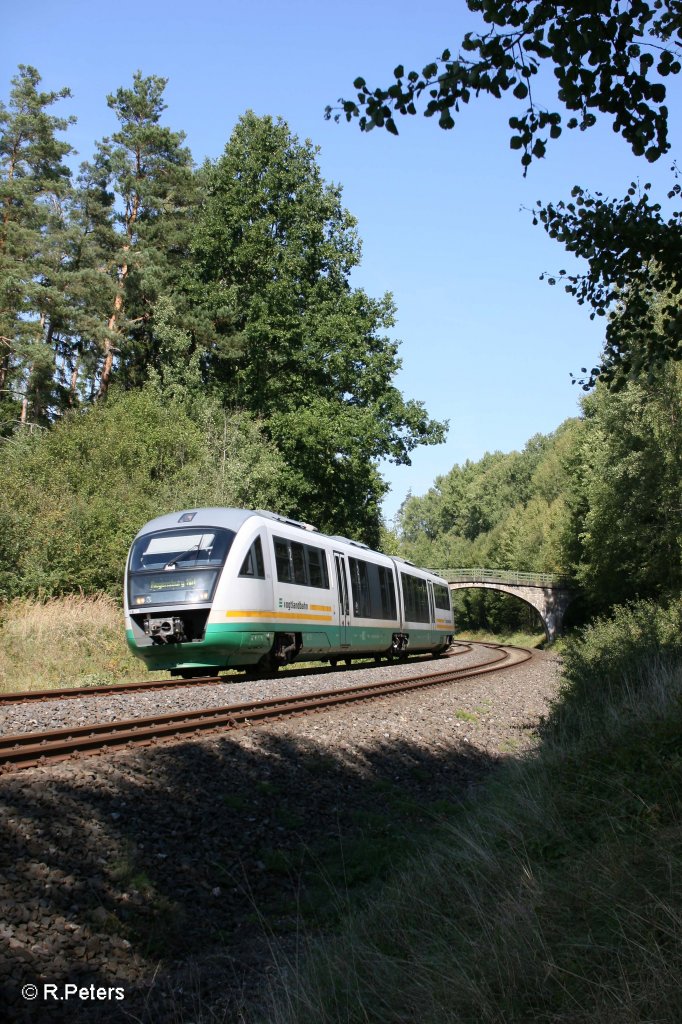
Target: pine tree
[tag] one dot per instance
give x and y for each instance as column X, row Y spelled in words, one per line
column 150, row 173
column 34, row 187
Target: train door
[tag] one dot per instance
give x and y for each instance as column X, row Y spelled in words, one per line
column 344, row 603
column 433, row 629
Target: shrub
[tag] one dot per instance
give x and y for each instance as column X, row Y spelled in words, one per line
column 618, row 669
column 74, row 497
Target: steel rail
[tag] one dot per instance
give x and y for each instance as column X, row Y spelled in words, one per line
column 27, row 696
column 30, row 696
column 25, row 750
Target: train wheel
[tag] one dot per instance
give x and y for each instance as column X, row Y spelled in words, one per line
column 333, row 662
column 261, row 671
column 348, row 662
column 267, row 666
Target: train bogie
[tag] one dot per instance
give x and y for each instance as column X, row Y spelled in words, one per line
column 217, row 588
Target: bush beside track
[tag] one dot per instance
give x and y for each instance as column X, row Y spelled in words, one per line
column 554, row 895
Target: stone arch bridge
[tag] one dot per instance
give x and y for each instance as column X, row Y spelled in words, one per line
column 550, row 595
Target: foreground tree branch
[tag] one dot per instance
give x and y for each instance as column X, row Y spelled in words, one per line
column 608, row 58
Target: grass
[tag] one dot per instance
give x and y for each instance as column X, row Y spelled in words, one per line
column 67, row 641
column 554, row 895
column 333, row 872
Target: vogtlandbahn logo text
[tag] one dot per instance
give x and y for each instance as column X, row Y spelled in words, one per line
column 293, row 606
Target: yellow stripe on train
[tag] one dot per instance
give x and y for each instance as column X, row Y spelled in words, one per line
column 298, row 616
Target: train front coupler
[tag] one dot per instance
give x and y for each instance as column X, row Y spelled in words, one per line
column 165, row 629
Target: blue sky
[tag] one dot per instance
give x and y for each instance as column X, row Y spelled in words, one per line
column 485, row 343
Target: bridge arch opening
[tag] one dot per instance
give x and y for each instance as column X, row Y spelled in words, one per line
column 548, row 593
column 496, row 612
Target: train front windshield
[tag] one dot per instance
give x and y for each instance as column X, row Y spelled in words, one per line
column 177, row 566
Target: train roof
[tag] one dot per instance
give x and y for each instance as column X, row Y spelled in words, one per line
column 229, row 518
column 234, row 518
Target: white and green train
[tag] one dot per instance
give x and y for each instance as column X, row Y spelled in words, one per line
column 214, row 588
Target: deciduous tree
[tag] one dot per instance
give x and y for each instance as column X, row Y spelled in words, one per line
column 626, row 492
column 74, row 496
column 291, row 341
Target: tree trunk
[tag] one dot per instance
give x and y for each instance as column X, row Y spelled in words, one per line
column 4, row 364
column 118, row 302
column 109, row 348
column 73, row 384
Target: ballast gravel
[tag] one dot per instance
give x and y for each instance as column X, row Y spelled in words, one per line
column 76, row 711
column 151, row 884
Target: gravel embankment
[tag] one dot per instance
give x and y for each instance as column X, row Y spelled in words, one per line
column 165, row 871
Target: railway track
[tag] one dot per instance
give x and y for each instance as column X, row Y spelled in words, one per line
column 37, row 696
column 26, row 750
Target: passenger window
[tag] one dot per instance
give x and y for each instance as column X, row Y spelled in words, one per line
column 387, row 590
column 317, row 568
column 298, row 562
column 253, row 564
column 416, row 598
column 442, row 596
column 282, row 561
column 359, row 581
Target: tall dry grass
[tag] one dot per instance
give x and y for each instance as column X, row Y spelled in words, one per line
column 66, row 641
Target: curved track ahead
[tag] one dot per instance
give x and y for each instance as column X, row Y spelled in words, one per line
column 26, row 750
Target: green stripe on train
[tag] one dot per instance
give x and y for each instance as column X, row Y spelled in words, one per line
column 226, row 644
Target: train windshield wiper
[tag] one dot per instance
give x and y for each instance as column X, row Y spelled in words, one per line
column 179, row 558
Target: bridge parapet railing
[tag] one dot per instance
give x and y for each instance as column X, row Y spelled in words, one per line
column 528, row 579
